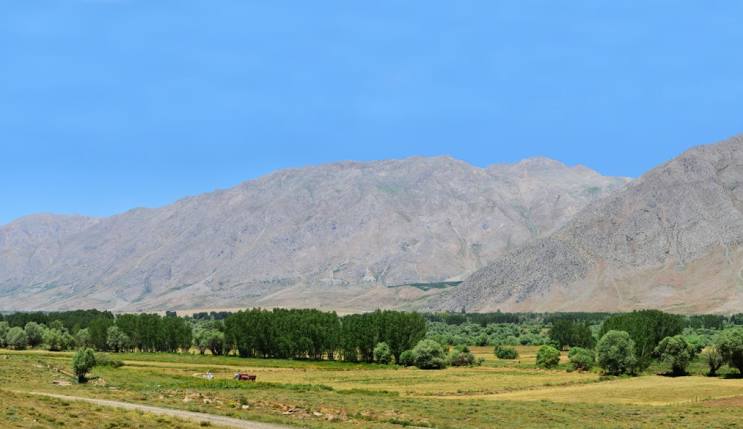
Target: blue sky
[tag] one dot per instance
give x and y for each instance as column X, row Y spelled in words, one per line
column 107, row 105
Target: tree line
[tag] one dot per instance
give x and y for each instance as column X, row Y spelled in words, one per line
column 278, row 333
column 313, row 334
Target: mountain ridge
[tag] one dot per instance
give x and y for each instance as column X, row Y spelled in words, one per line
column 313, row 233
column 670, row 239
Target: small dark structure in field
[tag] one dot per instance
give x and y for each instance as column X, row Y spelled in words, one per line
column 244, row 376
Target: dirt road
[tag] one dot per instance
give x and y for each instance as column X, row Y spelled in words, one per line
column 186, row 415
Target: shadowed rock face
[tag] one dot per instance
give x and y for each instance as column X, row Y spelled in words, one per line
column 670, row 239
column 331, row 236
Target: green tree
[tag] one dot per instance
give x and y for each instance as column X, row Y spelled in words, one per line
column 117, row 341
column 16, row 338
column 570, row 333
column 730, row 344
column 581, row 359
column 548, row 357
column 58, row 325
column 428, row 354
column 82, row 363
column 676, row 352
column 401, row 331
column 616, row 353
column 98, row 332
column 200, row 340
column 4, row 328
column 506, row 352
column 382, row 354
column 57, row 340
column 82, row 338
column 215, row 342
column 646, row 328
column 34, row 333
column 714, row 360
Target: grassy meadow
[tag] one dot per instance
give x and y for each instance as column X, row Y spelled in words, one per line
column 322, row 394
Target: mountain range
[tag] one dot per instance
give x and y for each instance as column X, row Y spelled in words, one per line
column 431, row 233
column 349, row 236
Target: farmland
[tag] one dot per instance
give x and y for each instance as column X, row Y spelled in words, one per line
column 322, row 394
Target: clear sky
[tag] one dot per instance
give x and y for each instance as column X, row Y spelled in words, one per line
column 107, row 105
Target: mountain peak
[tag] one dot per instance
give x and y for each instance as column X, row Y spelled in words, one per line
column 673, row 240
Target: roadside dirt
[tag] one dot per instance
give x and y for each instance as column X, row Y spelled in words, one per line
column 186, row 415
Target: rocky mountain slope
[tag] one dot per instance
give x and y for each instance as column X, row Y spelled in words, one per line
column 334, row 236
column 670, row 240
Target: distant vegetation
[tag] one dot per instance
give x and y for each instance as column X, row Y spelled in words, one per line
column 622, row 343
column 429, row 286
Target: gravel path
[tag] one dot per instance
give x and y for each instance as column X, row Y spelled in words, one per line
column 186, row 415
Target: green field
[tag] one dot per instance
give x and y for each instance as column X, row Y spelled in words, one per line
column 343, row 395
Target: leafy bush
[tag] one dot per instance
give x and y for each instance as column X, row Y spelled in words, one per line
column 482, row 340
column 616, row 353
column 407, row 358
column 581, row 359
column 492, row 334
column 382, row 353
column 676, row 352
column 714, row 360
column 730, row 345
column 548, row 357
column 697, row 340
column 16, row 338
column 106, row 360
column 506, row 352
column 82, row 362
column 461, row 356
column 428, row 354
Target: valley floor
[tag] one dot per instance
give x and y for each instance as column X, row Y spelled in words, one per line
column 499, row 394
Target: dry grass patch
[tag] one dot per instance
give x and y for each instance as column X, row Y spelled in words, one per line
column 647, row 390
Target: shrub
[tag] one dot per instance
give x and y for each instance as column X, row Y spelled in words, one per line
column 16, row 338
column 106, row 360
column 407, row 358
column 730, row 344
column 82, row 362
column 382, row 354
column 506, row 352
column 482, row 340
column 581, row 359
column 714, row 360
column 34, row 333
column 616, row 353
column 461, row 356
column 548, row 357
column 676, row 352
column 428, row 354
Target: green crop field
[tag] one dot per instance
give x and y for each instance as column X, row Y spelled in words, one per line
column 322, row 394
